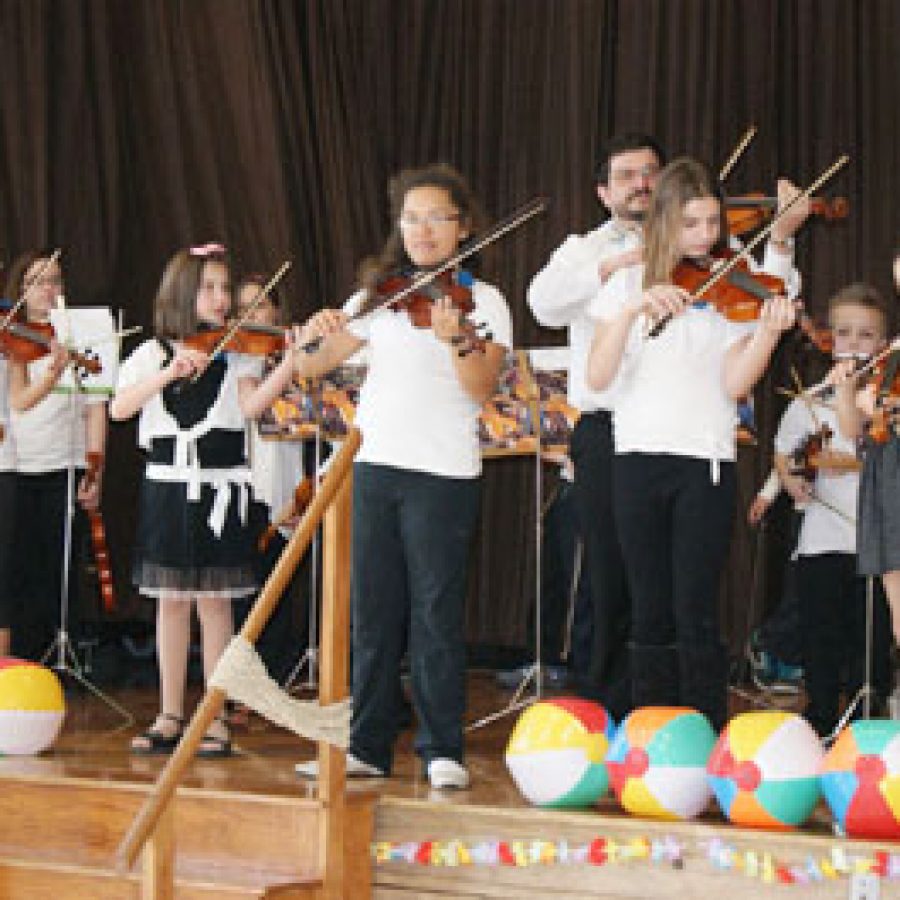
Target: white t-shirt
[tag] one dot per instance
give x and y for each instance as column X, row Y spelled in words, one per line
column 413, row 412
column 276, row 468
column 7, row 445
column 51, row 435
column 823, row 530
column 560, row 296
column 670, row 394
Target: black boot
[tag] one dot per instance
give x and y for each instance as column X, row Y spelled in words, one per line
column 654, row 675
column 704, row 681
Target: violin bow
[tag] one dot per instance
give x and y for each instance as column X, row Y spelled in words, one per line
column 736, row 154
column 244, row 317
column 516, row 218
column 54, row 256
column 816, row 389
column 721, row 271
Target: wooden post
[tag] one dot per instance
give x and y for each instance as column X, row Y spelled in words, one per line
column 214, row 699
column 333, row 680
column 158, row 859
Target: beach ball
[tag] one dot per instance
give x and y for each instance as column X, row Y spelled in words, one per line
column 764, row 770
column 32, row 707
column 556, row 752
column 860, row 778
column 657, row 762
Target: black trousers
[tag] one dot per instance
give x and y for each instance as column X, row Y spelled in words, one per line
column 8, row 526
column 833, row 618
column 675, row 525
column 41, row 510
column 591, row 451
column 412, row 537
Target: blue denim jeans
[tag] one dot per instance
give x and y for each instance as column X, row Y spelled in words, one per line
column 412, row 536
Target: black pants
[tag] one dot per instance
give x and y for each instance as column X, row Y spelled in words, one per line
column 412, row 536
column 591, row 451
column 675, row 525
column 282, row 641
column 40, row 527
column 8, row 526
column 833, row 617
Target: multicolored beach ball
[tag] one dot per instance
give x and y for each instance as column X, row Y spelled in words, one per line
column 557, row 750
column 657, row 762
column 764, row 770
column 32, row 707
column 860, row 778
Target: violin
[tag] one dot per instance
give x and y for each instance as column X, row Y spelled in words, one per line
column 94, row 461
column 886, row 381
column 303, row 495
column 739, row 295
column 814, row 453
column 419, row 303
column 249, row 338
column 752, row 211
column 26, row 343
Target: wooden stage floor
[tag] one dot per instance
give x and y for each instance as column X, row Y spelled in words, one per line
column 94, row 746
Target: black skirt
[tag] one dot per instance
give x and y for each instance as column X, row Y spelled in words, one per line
column 878, row 532
column 177, row 553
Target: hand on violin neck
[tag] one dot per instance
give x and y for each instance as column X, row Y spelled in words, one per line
column 662, row 301
column 625, row 260
column 446, row 321
column 89, row 488
column 59, row 359
column 323, row 323
column 787, row 225
column 186, row 363
column 777, row 315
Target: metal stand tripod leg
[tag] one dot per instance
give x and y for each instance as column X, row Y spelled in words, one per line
column 309, row 659
column 66, row 661
column 864, row 694
column 533, row 673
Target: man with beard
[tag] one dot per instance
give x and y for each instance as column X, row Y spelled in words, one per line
column 560, row 296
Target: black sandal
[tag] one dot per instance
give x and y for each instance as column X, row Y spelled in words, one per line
column 154, row 742
column 212, row 747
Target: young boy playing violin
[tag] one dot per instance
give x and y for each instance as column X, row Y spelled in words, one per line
column 674, row 419
column 831, row 593
column 869, row 411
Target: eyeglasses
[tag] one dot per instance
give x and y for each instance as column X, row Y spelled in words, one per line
column 623, row 176
column 434, row 219
column 204, row 250
column 44, row 281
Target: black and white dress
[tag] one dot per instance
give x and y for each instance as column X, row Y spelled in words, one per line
column 193, row 538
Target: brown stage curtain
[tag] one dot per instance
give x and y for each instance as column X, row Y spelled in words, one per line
column 128, row 130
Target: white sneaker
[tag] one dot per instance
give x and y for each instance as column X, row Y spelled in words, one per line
column 447, row 773
column 355, row 768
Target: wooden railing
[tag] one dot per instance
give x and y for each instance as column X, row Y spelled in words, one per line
column 154, row 824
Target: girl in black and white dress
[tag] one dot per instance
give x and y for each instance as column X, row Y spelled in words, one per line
column 193, row 545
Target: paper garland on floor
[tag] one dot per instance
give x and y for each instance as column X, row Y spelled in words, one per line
column 602, row 851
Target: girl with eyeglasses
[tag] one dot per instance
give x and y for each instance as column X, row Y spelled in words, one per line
column 51, row 431
column 416, row 480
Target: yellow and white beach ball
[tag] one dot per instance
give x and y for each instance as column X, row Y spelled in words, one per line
column 557, row 750
column 32, row 707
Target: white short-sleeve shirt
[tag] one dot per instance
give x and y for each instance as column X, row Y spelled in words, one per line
column 670, row 393
column 413, row 412
column 824, row 529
